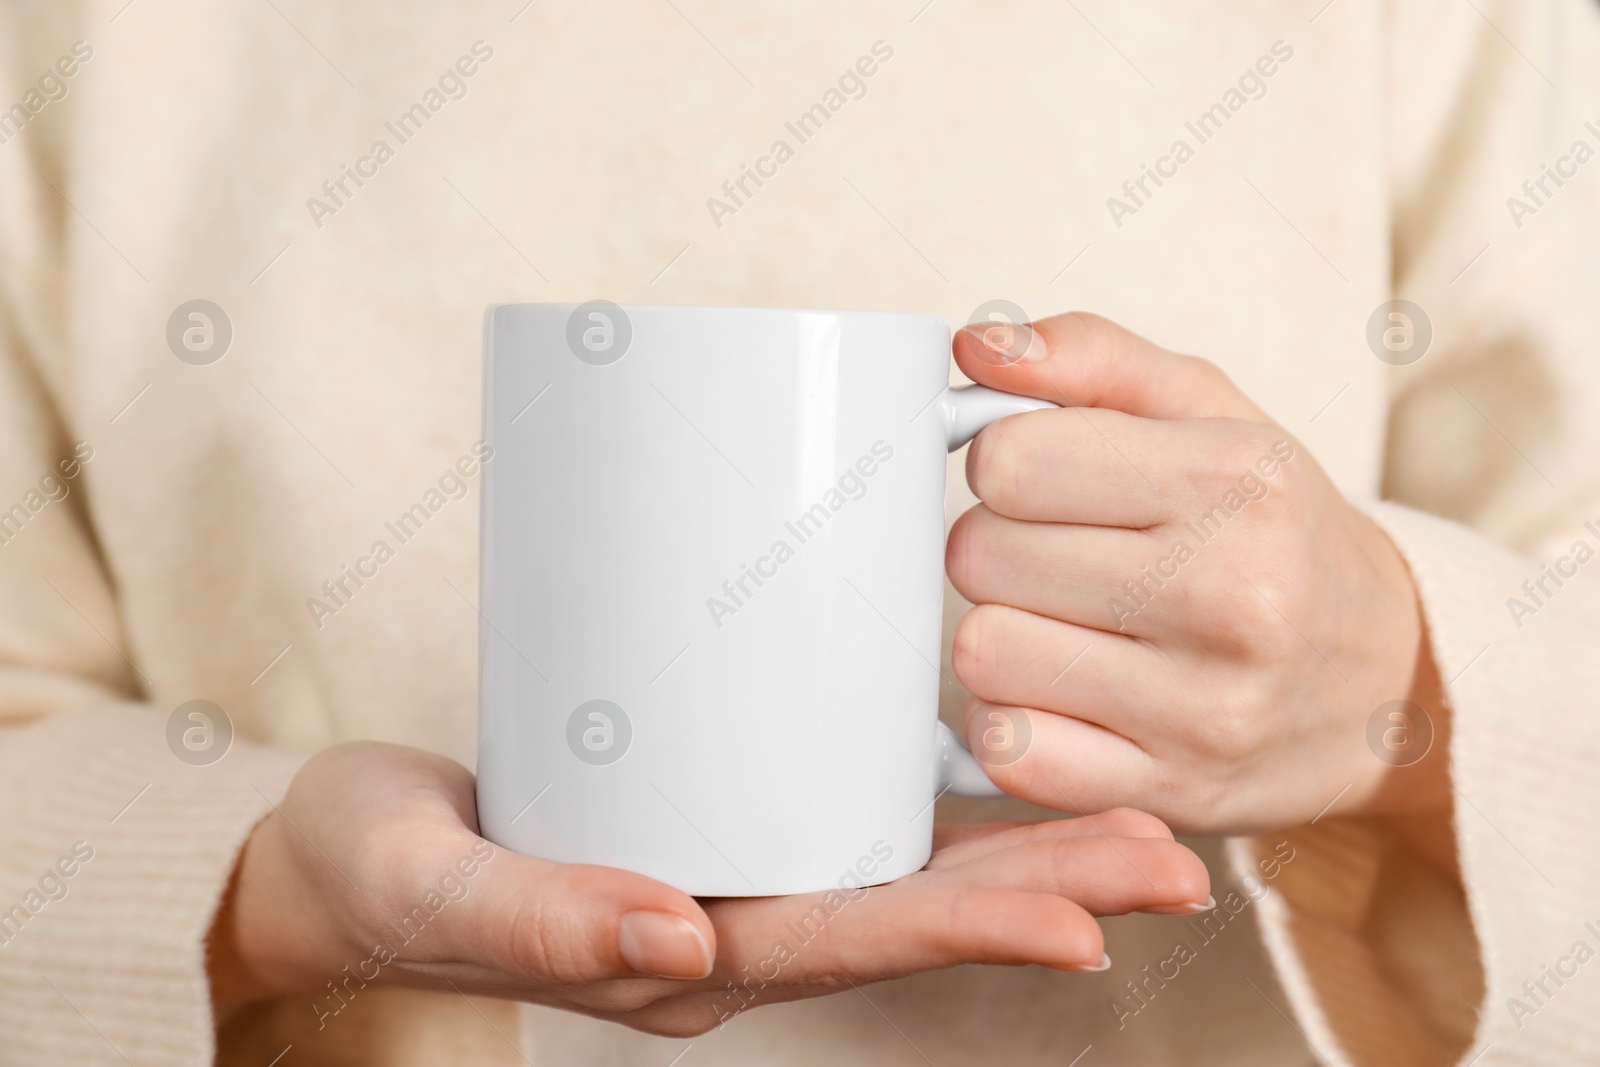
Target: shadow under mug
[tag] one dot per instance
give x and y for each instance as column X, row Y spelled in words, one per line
column 711, row 590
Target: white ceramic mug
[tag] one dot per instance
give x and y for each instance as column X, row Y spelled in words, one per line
column 712, row 574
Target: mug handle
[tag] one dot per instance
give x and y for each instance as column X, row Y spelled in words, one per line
column 966, row 410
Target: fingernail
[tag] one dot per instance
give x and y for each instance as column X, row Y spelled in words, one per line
column 1103, row 965
column 668, row 946
column 1005, row 343
column 1181, row 909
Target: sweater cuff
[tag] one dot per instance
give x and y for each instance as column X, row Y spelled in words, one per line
column 1384, row 959
column 117, row 853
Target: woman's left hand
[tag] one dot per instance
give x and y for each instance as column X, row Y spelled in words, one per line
column 1177, row 611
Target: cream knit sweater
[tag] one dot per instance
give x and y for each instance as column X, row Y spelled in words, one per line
column 164, row 521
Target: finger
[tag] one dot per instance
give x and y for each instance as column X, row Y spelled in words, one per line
column 1111, row 469
column 1095, row 577
column 1103, row 874
column 1067, row 764
column 1078, row 465
column 570, row 924
column 905, row 928
column 1084, row 360
column 950, row 849
column 1015, row 658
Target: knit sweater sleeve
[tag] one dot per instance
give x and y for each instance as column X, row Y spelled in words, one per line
column 117, row 832
column 1493, row 498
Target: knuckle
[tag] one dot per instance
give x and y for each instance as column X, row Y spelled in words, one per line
column 1185, row 594
column 1210, row 390
column 1234, row 726
column 543, row 943
column 1092, row 332
column 1253, row 619
column 1280, row 609
column 1234, row 454
column 961, row 911
column 1206, row 371
column 1100, row 350
column 1235, row 616
column 1221, row 734
column 1220, row 719
column 1289, row 499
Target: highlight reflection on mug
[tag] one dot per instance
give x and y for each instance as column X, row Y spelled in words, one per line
column 1007, row 732
column 598, row 732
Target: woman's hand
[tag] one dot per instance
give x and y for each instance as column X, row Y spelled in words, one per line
column 371, row 871
column 1175, row 606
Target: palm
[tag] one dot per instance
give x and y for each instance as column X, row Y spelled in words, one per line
column 368, row 831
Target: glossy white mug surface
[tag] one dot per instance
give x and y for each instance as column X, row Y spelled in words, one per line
column 712, row 573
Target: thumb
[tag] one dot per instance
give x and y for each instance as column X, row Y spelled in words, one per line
column 1084, row 360
column 570, row 924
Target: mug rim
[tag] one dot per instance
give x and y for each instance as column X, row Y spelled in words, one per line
column 490, row 309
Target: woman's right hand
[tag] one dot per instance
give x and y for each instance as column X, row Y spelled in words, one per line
column 363, row 871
